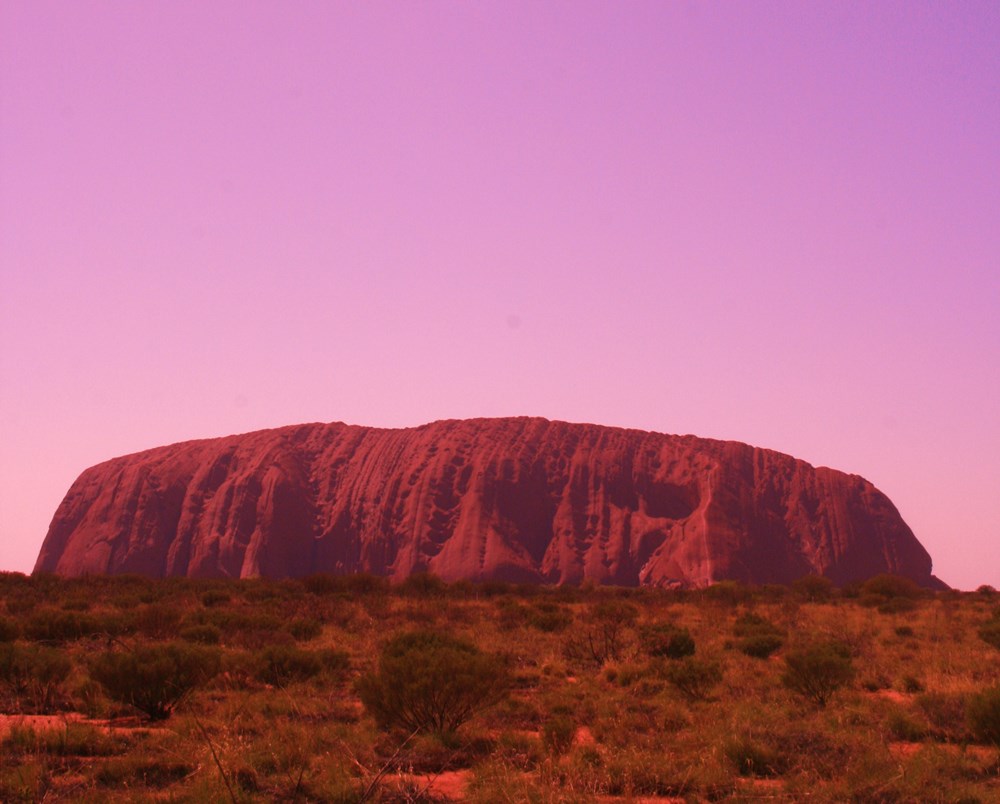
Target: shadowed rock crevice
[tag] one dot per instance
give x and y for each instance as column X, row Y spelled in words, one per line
column 520, row 499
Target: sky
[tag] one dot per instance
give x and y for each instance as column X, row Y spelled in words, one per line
column 777, row 223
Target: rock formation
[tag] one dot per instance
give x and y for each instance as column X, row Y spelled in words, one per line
column 518, row 499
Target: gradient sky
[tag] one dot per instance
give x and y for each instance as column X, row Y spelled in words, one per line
column 777, row 223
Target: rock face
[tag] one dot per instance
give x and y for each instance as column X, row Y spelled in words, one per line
column 519, row 499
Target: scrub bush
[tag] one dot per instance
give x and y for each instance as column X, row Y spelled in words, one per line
column 665, row 640
column 756, row 636
column 817, row 671
column 983, row 713
column 695, row 678
column 33, row 674
column 280, row 665
column 430, row 681
column 155, row 678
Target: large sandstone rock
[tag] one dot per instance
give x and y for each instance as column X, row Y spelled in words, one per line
column 520, row 499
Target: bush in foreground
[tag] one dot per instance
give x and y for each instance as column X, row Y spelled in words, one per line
column 429, row 681
column 155, row 678
column 33, row 674
column 817, row 671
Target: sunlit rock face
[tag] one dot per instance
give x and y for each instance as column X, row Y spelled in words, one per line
column 518, row 499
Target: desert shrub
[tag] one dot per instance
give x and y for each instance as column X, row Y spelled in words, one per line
column 990, row 633
column 817, row 671
column 144, row 771
column 814, row 588
column 729, row 593
column 558, row 732
column 946, row 712
column 33, row 673
column 158, row 620
column 903, row 727
column 215, row 597
column 695, row 678
column 897, row 605
column 751, row 758
column 757, row 636
column 305, row 629
column 602, row 635
column 983, row 713
column 760, row 646
column 280, row 665
column 202, row 634
column 549, row 616
column 9, row 630
column 423, row 585
column 155, row 678
column 511, row 615
column 663, row 640
column 430, row 681
column 911, row 684
column 890, row 586
column 56, row 626
column 904, row 631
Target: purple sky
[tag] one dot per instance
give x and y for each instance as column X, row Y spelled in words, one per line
column 775, row 223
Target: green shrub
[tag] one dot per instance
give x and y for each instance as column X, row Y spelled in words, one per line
column 158, row 620
column 305, row 629
column 549, row 617
column 753, row 759
column 33, row 673
column 131, row 771
column 430, row 681
column 946, row 712
column 990, row 633
column 818, row 670
column 202, row 634
column 695, row 678
column 760, row 646
column 663, row 640
column 890, row 586
column 728, row 593
column 280, row 665
column 814, row 588
column 155, row 678
column 983, row 712
column 757, row 636
column 601, row 637
column 423, row 585
column 902, row 727
column 215, row 597
column 558, row 733
column 56, row 626
column 9, row 630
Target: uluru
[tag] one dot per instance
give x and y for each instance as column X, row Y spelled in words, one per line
column 513, row 499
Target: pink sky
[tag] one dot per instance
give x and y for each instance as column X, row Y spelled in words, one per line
column 775, row 223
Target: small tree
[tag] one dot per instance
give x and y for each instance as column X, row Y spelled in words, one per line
column 429, row 681
column 817, row 671
column 155, row 678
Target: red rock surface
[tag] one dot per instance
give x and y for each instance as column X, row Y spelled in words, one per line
column 521, row 499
